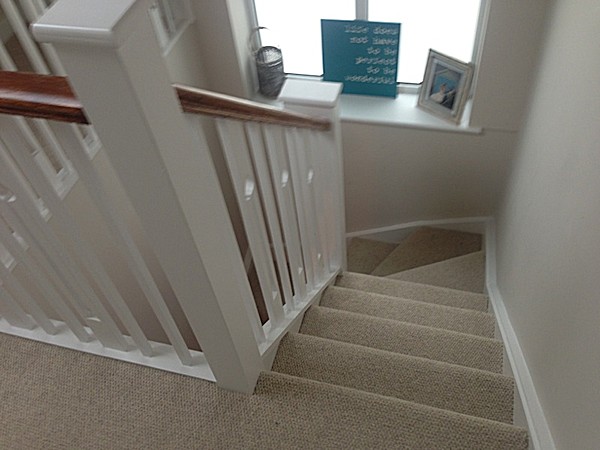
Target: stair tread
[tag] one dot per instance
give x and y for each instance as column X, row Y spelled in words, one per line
column 426, row 246
column 340, row 417
column 366, row 254
column 415, row 291
column 465, row 273
column 406, row 310
column 447, row 386
column 402, row 337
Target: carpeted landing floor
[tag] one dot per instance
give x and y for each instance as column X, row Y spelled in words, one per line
column 386, row 361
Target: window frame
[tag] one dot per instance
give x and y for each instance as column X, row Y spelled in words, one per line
column 362, row 10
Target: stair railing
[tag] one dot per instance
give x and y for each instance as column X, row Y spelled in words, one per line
column 285, row 167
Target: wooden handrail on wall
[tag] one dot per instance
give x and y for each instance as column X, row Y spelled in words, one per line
column 51, row 97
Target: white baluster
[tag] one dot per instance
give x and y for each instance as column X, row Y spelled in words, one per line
column 321, row 99
column 257, row 148
column 58, row 268
column 16, row 146
column 282, row 183
column 135, row 261
column 165, row 169
column 39, row 278
column 235, row 147
column 12, row 312
column 307, row 238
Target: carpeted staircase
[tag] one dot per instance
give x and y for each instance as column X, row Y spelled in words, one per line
column 400, row 353
column 409, row 322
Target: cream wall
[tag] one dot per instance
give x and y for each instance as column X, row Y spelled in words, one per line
column 412, row 174
column 548, row 225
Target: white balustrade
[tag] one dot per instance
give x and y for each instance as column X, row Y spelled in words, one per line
column 288, row 183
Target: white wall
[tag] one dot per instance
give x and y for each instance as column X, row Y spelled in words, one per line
column 396, row 175
column 548, row 225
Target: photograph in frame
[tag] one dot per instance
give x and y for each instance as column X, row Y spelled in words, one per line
column 445, row 87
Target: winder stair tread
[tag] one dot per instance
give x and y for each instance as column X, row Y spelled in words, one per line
column 427, row 246
column 465, row 273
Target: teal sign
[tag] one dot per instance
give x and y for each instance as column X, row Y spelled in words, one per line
column 362, row 55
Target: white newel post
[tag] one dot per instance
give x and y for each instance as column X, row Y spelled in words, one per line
column 114, row 64
column 321, row 99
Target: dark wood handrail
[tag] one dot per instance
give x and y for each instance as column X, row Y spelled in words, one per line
column 199, row 101
column 39, row 96
column 51, row 97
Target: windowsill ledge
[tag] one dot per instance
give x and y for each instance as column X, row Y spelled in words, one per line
column 401, row 111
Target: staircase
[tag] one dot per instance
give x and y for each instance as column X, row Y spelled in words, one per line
column 403, row 340
column 382, row 362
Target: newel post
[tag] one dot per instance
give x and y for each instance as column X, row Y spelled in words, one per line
column 115, row 66
column 321, row 99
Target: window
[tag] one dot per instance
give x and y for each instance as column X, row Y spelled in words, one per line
column 448, row 27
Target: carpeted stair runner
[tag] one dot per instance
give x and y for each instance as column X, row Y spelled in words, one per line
column 364, row 255
column 433, row 383
column 381, row 363
column 466, row 273
column 415, row 291
column 427, row 246
column 407, row 338
column 422, row 313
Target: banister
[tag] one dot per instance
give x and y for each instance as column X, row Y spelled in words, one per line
column 200, row 101
column 51, row 97
column 39, row 96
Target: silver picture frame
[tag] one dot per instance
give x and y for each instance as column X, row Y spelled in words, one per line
column 446, row 85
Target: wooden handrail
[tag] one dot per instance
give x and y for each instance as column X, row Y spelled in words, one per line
column 199, row 101
column 51, row 97
column 39, row 96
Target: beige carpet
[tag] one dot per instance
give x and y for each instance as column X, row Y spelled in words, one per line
column 364, row 255
column 406, row 338
column 414, row 291
column 53, row 398
column 421, row 313
column 427, row 246
column 456, row 388
column 466, row 273
column 381, row 363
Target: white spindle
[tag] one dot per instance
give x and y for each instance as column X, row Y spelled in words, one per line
column 307, row 238
column 317, row 157
column 135, row 261
column 321, row 99
column 81, row 247
column 257, row 148
column 165, row 170
column 39, row 277
column 235, row 147
column 12, row 312
column 282, row 183
column 58, row 268
column 25, row 299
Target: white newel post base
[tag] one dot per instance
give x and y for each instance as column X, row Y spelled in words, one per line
column 321, row 99
column 114, row 63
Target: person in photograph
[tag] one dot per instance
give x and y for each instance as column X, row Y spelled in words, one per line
column 443, row 96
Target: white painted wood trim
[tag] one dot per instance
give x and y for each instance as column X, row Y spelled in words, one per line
column 539, row 431
column 164, row 357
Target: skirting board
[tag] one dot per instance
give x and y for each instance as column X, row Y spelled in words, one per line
column 525, row 396
column 395, row 233
column 539, row 431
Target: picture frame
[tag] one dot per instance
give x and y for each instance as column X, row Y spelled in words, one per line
column 445, row 86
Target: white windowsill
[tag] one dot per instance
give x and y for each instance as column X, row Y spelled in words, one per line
column 401, row 111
